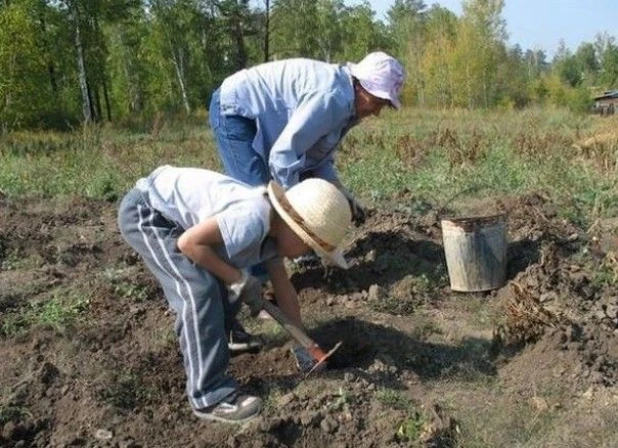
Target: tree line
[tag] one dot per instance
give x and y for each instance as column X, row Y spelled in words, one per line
column 63, row 62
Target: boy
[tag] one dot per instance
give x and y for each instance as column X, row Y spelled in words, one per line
column 197, row 231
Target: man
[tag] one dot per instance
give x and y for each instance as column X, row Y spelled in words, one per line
column 283, row 120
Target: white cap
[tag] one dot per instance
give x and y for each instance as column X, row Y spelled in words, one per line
column 381, row 75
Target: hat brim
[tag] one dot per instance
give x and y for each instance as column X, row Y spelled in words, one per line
column 276, row 194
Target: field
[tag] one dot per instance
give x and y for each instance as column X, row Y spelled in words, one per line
column 89, row 357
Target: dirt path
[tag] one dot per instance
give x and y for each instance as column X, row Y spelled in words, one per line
column 89, row 357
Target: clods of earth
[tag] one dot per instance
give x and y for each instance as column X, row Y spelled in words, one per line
column 89, row 357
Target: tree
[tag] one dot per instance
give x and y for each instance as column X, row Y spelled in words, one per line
column 607, row 51
column 437, row 60
column 329, row 32
column 406, row 19
column 22, row 66
column 361, row 34
column 294, row 28
column 566, row 66
column 587, row 63
column 480, row 41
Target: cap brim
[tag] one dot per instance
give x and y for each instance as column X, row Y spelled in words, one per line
column 384, row 95
column 275, row 193
column 387, row 96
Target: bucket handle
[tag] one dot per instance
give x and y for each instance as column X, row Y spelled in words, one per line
column 470, row 189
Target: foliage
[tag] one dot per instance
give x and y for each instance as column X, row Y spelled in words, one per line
column 71, row 61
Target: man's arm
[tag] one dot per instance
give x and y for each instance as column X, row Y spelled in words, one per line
column 317, row 116
column 326, row 170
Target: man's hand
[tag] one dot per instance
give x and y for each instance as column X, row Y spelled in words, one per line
column 358, row 212
column 248, row 290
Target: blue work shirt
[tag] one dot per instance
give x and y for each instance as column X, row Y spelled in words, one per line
column 303, row 108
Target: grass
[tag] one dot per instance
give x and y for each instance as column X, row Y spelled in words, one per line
column 99, row 162
column 126, row 390
column 411, row 429
column 60, row 310
column 393, row 399
column 433, row 154
column 607, row 274
column 10, row 413
column 123, row 284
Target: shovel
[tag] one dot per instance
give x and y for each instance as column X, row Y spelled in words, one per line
column 298, row 334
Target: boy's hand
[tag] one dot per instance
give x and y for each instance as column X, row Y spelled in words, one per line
column 248, row 290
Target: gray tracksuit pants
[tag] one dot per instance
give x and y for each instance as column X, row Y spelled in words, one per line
column 203, row 315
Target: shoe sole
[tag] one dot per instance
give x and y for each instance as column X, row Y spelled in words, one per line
column 214, row 418
column 243, row 347
column 252, row 351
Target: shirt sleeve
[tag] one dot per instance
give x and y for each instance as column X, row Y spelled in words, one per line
column 327, row 171
column 240, row 228
column 317, row 116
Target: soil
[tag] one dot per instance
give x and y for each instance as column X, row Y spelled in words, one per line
column 89, row 357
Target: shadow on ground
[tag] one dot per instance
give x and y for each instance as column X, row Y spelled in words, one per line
column 381, row 258
column 380, row 352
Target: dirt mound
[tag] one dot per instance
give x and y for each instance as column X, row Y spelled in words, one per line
column 580, row 357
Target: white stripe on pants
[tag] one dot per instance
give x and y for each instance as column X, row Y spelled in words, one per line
column 194, row 294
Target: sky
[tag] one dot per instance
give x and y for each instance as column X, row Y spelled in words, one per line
column 541, row 24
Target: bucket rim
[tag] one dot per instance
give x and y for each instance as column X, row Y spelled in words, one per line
column 478, row 219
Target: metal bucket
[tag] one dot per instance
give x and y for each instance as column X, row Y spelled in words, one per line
column 475, row 250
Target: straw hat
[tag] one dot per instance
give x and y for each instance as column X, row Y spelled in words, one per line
column 317, row 212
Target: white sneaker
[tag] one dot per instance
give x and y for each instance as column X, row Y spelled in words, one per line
column 235, row 409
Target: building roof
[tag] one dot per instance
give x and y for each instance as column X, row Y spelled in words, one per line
column 609, row 94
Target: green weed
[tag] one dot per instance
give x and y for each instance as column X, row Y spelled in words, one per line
column 607, row 273
column 11, row 413
column 125, row 392
column 393, row 399
column 394, row 305
column 59, row 311
column 411, row 429
column 122, row 283
column 12, row 260
column 342, row 401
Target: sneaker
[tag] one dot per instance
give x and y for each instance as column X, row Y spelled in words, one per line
column 268, row 293
column 235, row 409
column 240, row 341
column 263, row 315
column 307, row 261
